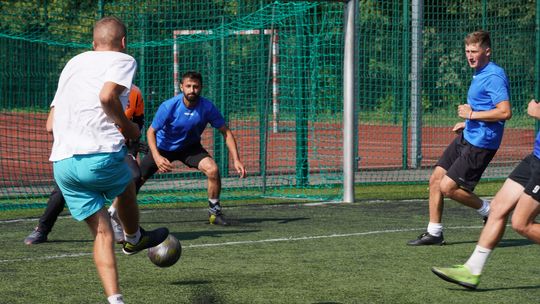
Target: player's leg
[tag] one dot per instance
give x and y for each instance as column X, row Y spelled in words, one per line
column 468, row 275
column 55, row 206
column 104, row 256
column 528, row 207
column 434, row 231
column 523, row 219
column 433, row 234
column 147, row 168
column 80, row 180
column 463, row 176
column 115, row 220
column 215, row 214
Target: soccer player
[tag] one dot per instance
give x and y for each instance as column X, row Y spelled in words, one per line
column 88, row 152
column 519, row 191
column 463, row 162
column 56, row 202
column 175, row 134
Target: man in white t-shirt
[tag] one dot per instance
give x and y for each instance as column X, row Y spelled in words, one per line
column 89, row 127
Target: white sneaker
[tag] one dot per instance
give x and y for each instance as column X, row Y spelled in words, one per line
column 117, row 228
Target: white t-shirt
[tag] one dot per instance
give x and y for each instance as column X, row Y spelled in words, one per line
column 80, row 125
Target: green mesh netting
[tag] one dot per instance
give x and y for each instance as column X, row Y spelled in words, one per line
column 275, row 70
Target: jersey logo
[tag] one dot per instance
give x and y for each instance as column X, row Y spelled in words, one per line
column 536, row 188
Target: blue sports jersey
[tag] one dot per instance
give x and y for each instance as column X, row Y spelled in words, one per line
column 536, row 149
column 178, row 126
column 488, row 88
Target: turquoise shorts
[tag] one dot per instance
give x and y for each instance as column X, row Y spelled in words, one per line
column 88, row 181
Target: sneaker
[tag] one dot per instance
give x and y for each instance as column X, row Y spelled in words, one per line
column 117, row 228
column 457, row 274
column 36, row 237
column 217, row 219
column 148, row 239
column 427, row 239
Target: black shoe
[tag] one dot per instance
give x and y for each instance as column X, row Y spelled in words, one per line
column 427, row 239
column 36, row 237
column 217, row 219
column 148, row 239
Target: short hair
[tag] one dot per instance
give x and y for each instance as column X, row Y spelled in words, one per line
column 481, row 37
column 193, row 75
column 109, row 31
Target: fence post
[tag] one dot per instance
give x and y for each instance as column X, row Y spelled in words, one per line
column 349, row 65
column 416, row 82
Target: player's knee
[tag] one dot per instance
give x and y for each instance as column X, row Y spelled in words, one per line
column 520, row 226
column 212, row 172
column 447, row 189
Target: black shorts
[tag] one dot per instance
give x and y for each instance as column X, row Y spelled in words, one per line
column 191, row 156
column 465, row 163
column 527, row 174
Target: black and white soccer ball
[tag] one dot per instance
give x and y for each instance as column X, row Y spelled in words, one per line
column 167, row 253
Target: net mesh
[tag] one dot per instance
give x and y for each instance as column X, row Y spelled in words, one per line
column 275, row 70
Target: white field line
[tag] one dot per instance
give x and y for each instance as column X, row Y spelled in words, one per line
column 247, row 242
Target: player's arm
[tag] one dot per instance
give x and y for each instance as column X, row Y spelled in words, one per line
column 502, row 111
column 110, row 101
column 230, row 141
column 162, row 163
column 533, row 109
column 50, row 119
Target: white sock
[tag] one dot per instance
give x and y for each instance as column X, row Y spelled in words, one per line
column 112, row 210
column 116, row 299
column 434, row 229
column 213, row 200
column 133, row 238
column 478, row 259
column 484, row 210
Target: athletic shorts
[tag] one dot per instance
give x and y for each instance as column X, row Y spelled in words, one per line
column 88, row 181
column 465, row 163
column 191, row 156
column 527, row 174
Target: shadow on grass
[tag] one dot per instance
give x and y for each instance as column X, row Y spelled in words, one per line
column 502, row 244
column 515, row 243
column 192, row 282
column 235, row 221
column 530, row 287
column 193, row 235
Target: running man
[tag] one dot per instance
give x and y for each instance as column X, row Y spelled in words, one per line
column 462, row 164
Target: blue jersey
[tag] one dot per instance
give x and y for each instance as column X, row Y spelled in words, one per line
column 178, row 126
column 536, row 150
column 488, row 88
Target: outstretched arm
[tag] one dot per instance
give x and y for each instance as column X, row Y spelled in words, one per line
column 230, row 141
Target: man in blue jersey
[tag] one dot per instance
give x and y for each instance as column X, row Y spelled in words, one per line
column 521, row 193
column 463, row 162
column 175, row 134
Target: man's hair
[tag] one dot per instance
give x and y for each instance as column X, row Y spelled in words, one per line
column 481, row 37
column 109, row 31
column 192, row 75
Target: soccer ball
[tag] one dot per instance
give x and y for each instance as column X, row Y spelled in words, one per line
column 167, row 253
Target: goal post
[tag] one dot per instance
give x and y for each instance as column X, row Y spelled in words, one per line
column 274, row 60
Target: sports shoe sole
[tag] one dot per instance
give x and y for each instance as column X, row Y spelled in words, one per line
column 449, row 279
